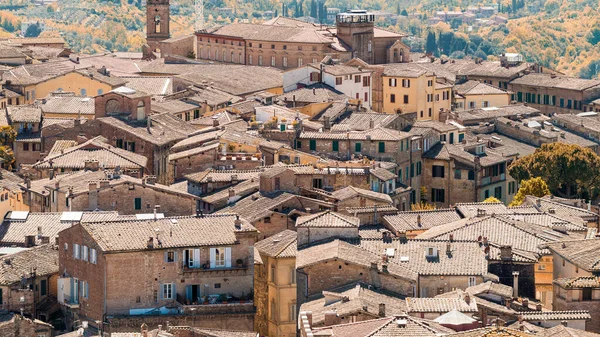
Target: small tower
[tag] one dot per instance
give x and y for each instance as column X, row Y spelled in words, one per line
column 157, row 23
column 356, row 29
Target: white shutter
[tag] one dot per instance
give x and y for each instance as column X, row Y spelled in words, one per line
column 183, row 256
column 161, row 288
column 197, row 258
column 166, row 257
column 227, row 257
column 212, row 257
column 175, row 256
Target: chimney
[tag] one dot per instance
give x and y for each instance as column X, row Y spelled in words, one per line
column 155, row 211
column 564, row 323
column 92, row 185
column 371, row 124
column 451, row 237
column 331, row 318
column 238, row 223
column 538, row 202
column 150, row 243
column 144, row 330
column 231, row 193
column 234, row 178
column 508, row 302
column 29, row 240
column 150, row 180
column 81, row 139
column 215, row 122
column 159, row 327
column 104, row 183
column 148, row 124
column 327, row 123
column 552, row 210
column 51, row 174
column 538, row 306
column 449, row 249
column 381, row 309
column 516, row 284
column 525, row 303
column 419, row 220
column 506, row 253
column 91, row 165
column 467, row 298
column 480, row 212
column 485, row 241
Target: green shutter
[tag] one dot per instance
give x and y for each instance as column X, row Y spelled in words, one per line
column 335, row 146
column 461, row 136
column 452, row 138
column 313, row 144
column 138, row 203
column 381, row 147
column 358, row 147
column 412, row 170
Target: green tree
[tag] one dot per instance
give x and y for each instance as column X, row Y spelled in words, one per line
column 313, row 9
column 492, row 200
column 430, row 44
column 569, row 170
column 404, row 12
column 535, row 187
column 33, row 30
column 594, row 36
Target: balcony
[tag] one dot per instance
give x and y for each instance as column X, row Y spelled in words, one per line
column 216, row 304
column 493, row 179
column 71, row 302
column 240, row 269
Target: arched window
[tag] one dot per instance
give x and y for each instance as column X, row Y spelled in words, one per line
column 141, row 110
column 224, row 55
column 232, row 57
column 157, row 24
column 112, row 106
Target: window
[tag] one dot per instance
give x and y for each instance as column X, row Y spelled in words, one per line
column 312, row 144
column 166, row 292
column 366, row 81
column 76, row 251
column 272, row 61
column 83, row 92
column 25, row 146
column 191, row 258
column 93, row 256
column 511, row 187
column 412, row 170
column 66, row 246
column 335, row 146
column 542, row 267
column 85, row 289
column 461, row 136
column 299, row 62
column 292, row 312
column 472, row 105
column 486, row 104
column 437, row 171
column 498, row 192
column 100, row 91
column 220, row 257
column 472, row 281
column 366, row 97
column 419, row 168
column 292, row 275
column 196, row 114
column 405, row 99
column 429, row 112
column 358, row 147
column 392, row 82
column 381, row 147
column 471, row 175
column 457, row 174
column 138, row 203
column 486, row 194
column 438, row 195
column 452, row 138
column 338, row 80
column 429, row 83
column 169, row 257
column 392, row 98
column 586, row 294
column 84, row 253
column 130, row 146
column 43, row 287
column 406, row 83
column 260, row 60
column 285, row 61
column 357, row 79
column 267, row 219
column 250, row 59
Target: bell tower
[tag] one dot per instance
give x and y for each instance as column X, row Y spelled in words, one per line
column 157, row 23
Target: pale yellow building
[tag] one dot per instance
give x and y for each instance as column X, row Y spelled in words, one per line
column 476, row 95
column 411, row 88
column 275, row 286
column 38, row 81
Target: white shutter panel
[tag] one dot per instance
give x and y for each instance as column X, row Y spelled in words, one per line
column 212, row 257
column 183, row 258
column 228, row 257
column 197, row 258
column 162, row 291
column 166, row 256
column 173, row 291
column 175, row 256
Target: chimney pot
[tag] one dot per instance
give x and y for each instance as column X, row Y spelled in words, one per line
column 381, row 309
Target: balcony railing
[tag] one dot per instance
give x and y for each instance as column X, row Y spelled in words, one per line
column 215, row 304
column 71, row 301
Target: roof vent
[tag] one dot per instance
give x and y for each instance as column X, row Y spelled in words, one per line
column 402, row 323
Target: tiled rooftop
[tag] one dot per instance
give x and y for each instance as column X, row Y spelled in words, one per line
column 43, row 259
column 280, row 245
column 327, row 219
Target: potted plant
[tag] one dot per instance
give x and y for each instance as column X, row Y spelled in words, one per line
column 239, row 263
column 205, row 300
column 222, row 299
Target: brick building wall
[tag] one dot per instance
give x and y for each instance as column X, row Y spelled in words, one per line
column 311, row 235
column 570, row 299
column 25, row 327
column 179, row 168
column 244, row 322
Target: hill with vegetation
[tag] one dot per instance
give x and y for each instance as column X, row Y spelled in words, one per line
column 563, row 35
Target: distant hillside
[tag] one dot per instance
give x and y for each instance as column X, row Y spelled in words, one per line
column 560, row 34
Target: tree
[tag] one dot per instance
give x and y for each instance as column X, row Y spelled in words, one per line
column 422, row 206
column 313, row 9
column 594, row 36
column 430, row 45
column 569, row 170
column 7, row 156
column 33, row 30
column 535, row 187
column 404, row 12
column 492, row 200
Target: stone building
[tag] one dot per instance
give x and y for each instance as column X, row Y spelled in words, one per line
column 288, row 43
column 26, row 120
column 474, row 94
column 552, row 94
column 95, row 189
column 198, row 270
column 275, row 286
column 28, row 282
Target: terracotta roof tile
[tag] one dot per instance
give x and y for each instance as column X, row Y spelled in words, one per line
column 327, row 219
column 280, row 245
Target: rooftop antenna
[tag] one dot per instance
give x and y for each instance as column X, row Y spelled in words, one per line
column 199, row 9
